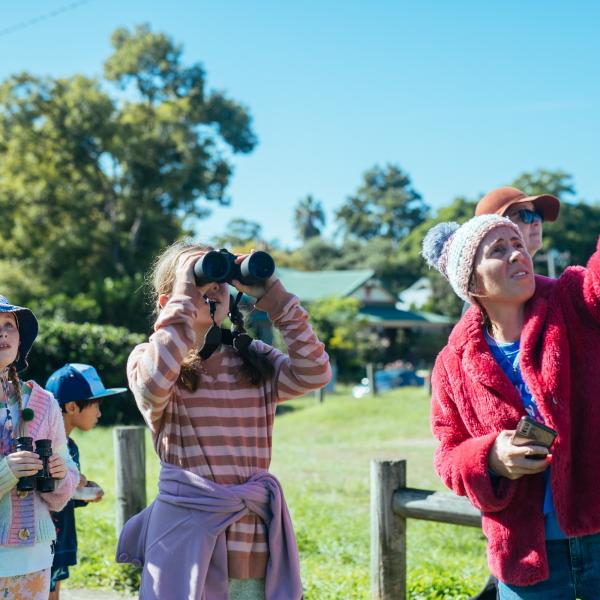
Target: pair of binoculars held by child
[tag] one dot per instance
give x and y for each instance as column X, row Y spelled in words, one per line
column 42, row 482
column 219, row 266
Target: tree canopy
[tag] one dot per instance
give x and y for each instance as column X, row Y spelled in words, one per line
column 385, row 205
column 97, row 176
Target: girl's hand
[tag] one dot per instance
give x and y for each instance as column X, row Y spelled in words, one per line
column 184, row 272
column 23, row 463
column 57, row 466
column 256, row 291
column 510, row 461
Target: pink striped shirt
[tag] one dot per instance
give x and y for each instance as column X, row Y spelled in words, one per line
column 223, row 430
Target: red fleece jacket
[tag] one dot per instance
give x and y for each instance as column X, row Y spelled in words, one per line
column 473, row 401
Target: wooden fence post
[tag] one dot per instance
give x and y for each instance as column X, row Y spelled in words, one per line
column 427, row 382
column 130, row 472
column 371, row 378
column 388, row 532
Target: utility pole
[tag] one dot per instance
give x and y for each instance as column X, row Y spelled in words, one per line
column 553, row 258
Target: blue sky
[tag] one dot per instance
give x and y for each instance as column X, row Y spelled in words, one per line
column 462, row 95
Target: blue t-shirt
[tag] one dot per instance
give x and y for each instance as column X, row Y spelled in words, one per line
column 507, row 356
column 65, row 549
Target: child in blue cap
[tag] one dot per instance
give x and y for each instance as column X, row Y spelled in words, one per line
column 79, row 391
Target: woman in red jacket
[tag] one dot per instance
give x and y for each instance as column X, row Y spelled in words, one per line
column 528, row 345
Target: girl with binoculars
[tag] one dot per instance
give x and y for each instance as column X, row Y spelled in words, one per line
column 220, row 524
column 31, row 483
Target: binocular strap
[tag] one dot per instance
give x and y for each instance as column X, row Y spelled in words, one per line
column 215, row 336
column 212, row 339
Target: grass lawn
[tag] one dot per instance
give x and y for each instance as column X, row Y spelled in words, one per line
column 321, row 455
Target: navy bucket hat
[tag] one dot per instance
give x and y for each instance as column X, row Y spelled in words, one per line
column 28, row 330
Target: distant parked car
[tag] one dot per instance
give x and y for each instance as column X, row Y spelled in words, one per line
column 388, row 380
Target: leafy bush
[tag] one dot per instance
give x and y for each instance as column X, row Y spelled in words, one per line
column 340, row 327
column 102, row 346
column 440, row 585
column 60, row 307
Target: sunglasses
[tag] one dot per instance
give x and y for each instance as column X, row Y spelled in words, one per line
column 528, row 216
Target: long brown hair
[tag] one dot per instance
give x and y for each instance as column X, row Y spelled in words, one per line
column 256, row 367
column 16, row 383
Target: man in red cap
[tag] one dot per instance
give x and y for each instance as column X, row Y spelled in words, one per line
column 527, row 212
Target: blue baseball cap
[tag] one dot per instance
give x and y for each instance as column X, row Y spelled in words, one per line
column 75, row 382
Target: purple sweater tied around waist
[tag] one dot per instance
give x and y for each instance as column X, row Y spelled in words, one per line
column 180, row 538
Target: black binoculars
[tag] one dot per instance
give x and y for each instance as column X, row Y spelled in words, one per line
column 42, row 482
column 219, row 266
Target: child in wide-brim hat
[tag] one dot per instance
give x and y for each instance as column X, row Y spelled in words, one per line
column 27, row 411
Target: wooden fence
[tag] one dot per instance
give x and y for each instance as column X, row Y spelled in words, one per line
column 391, row 504
column 130, row 472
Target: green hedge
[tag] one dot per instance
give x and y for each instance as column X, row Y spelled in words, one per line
column 103, row 346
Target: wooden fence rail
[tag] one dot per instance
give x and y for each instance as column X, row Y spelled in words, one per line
column 391, row 504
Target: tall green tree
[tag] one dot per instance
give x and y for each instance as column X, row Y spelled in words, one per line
column 240, row 233
column 545, row 181
column 309, row 218
column 97, row 176
column 318, row 254
column 386, row 205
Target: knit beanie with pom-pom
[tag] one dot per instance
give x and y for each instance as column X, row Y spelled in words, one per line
column 451, row 248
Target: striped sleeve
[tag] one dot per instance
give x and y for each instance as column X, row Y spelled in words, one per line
column 153, row 367
column 306, row 365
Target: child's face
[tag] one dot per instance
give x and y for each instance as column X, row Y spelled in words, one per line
column 87, row 418
column 219, row 292
column 9, row 339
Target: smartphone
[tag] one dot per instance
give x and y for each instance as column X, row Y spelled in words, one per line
column 529, row 431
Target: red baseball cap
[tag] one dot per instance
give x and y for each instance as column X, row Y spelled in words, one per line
column 498, row 200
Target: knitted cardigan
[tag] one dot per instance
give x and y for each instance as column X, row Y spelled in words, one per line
column 473, row 400
column 25, row 518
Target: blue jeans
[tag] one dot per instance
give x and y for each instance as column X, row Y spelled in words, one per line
column 574, row 573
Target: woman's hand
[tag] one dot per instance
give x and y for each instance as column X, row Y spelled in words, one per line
column 57, row 466
column 511, row 461
column 23, row 463
column 256, row 291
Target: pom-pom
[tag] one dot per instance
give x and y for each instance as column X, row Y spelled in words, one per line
column 433, row 243
column 27, row 414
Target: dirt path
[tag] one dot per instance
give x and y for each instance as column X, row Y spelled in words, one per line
column 93, row 595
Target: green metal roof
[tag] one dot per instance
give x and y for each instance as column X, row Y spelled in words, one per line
column 314, row 285
column 391, row 316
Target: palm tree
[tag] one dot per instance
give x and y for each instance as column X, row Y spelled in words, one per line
column 309, row 217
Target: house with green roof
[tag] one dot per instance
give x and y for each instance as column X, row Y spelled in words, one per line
column 377, row 305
